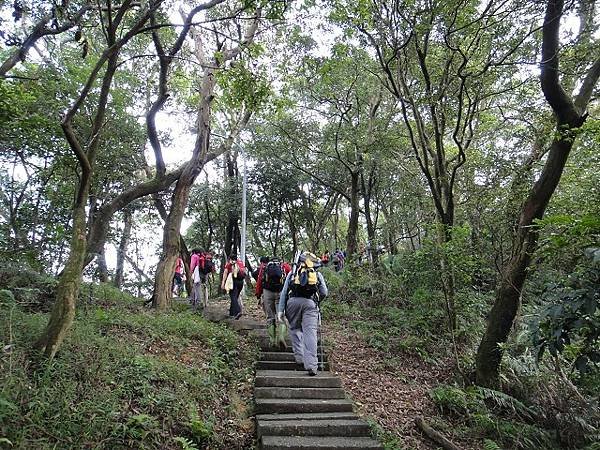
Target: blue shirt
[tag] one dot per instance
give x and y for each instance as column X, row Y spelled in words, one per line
column 321, row 286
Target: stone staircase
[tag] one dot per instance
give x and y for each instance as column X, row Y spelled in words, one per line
column 296, row 411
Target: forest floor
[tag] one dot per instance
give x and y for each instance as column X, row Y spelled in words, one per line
column 390, row 392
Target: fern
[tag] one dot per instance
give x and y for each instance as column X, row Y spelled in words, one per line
column 506, row 402
column 488, row 444
column 186, row 444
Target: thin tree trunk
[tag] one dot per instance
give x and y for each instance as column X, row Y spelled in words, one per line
column 372, row 238
column 102, row 267
column 446, row 274
column 352, row 237
column 122, row 250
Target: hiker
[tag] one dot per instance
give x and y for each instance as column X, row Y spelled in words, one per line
column 261, row 263
column 233, row 282
column 336, row 261
column 178, row 277
column 325, row 258
column 196, row 279
column 341, row 258
column 304, row 287
column 271, row 276
column 205, row 268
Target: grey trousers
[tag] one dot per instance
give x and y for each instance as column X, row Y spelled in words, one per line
column 303, row 317
column 200, row 295
column 269, row 301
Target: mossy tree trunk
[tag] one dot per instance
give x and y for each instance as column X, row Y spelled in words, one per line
column 63, row 311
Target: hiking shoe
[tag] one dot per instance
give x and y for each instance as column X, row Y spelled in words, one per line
column 312, row 372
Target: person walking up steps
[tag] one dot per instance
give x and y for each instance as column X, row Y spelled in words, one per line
column 178, row 277
column 205, row 268
column 195, row 271
column 269, row 283
column 233, row 283
column 297, row 301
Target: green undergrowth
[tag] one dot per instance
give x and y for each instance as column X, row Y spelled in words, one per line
column 498, row 420
column 126, row 377
column 535, row 410
column 492, row 416
column 396, row 321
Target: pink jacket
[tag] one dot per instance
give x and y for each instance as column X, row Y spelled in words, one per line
column 194, row 262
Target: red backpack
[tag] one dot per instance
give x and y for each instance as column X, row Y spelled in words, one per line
column 205, row 263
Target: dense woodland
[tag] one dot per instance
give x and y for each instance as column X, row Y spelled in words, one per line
column 449, row 147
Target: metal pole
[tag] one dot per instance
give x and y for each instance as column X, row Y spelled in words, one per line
column 244, row 190
column 243, row 236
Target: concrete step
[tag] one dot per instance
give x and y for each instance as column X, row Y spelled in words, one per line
column 283, row 365
column 335, row 427
column 216, row 314
column 291, row 378
column 318, row 443
column 285, row 356
column 263, row 333
column 301, row 405
column 247, row 325
column 266, row 346
column 307, row 416
column 287, row 392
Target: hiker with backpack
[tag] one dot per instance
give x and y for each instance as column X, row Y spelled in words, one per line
column 178, row 277
column 262, row 262
column 302, row 291
column 205, row 267
column 233, row 282
column 338, row 260
column 269, row 283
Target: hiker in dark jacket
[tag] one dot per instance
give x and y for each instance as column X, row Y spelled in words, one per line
column 299, row 304
column 270, row 280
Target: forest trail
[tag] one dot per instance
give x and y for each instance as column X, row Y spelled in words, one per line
column 293, row 410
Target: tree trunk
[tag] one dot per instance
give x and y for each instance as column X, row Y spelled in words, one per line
column 102, row 267
column 570, row 116
column 122, row 250
column 293, row 231
column 372, row 238
column 446, row 273
column 170, row 246
column 352, row 237
column 508, row 293
column 232, row 212
column 171, row 235
column 63, row 311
